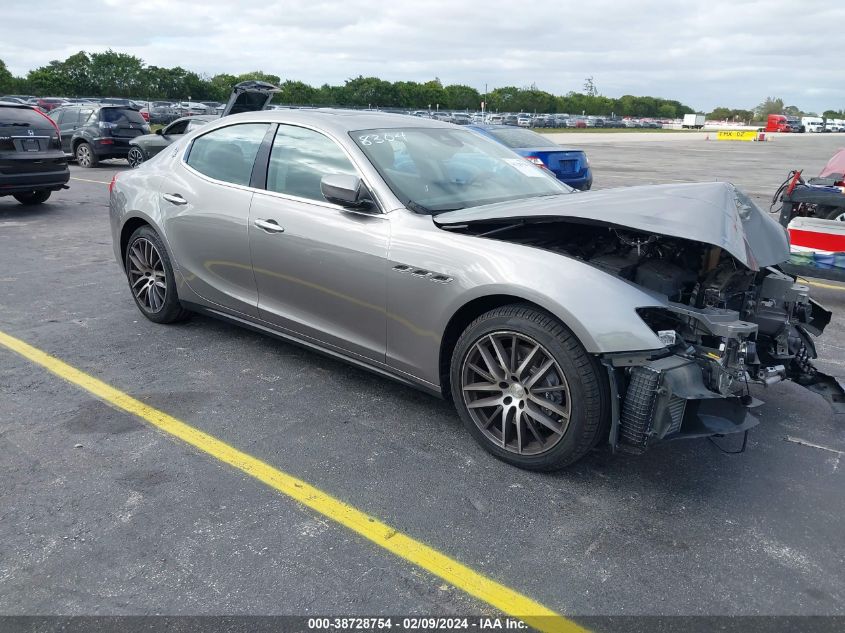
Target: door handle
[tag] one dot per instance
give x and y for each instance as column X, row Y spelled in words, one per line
column 271, row 226
column 174, row 198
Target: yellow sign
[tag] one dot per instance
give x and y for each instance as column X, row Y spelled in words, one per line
column 736, row 135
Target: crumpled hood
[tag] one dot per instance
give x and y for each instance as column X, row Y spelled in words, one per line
column 715, row 213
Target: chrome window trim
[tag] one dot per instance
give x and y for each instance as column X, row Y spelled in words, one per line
column 319, row 203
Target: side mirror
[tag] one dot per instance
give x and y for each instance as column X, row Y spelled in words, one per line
column 345, row 190
column 159, row 132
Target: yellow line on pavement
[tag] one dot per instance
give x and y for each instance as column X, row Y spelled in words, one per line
column 99, row 182
column 506, row 600
column 819, row 284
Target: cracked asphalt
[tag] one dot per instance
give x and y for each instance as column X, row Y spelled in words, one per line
column 103, row 515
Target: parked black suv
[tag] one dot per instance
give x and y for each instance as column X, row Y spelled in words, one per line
column 91, row 133
column 32, row 164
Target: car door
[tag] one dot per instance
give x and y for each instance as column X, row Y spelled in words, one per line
column 87, row 117
column 68, row 120
column 319, row 268
column 205, row 201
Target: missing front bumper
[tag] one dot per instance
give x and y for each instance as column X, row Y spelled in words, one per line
column 667, row 399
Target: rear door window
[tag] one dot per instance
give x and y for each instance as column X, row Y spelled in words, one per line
column 228, row 153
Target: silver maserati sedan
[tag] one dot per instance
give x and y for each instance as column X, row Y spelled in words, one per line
column 553, row 320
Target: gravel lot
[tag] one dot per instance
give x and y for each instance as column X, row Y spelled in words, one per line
column 131, row 522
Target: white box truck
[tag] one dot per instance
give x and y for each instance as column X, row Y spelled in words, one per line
column 693, row 122
column 812, row 123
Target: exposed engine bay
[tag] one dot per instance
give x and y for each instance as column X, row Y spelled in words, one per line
column 724, row 327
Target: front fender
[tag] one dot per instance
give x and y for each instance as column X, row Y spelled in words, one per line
column 599, row 309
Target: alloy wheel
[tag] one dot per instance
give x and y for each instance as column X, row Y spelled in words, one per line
column 516, row 393
column 146, row 275
column 83, row 155
column 135, row 157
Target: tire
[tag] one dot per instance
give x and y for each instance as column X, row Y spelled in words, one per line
column 574, row 384
column 135, row 157
column 151, row 280
column 833, row 213
column 85, row 156
column 32, row 197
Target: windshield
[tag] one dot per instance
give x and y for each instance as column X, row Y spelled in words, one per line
column 432, row 170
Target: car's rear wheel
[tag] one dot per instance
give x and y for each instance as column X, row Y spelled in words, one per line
column 32, row 197
column 85, row 156
column 135, row 157
column 151, row 278
column 527, row 390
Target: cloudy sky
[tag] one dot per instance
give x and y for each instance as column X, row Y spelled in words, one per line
column 704, row 53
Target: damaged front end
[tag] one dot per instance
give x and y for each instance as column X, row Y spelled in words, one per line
column 726, row 315
column 736, row 328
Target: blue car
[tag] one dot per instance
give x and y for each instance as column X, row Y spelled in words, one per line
column 568, row 165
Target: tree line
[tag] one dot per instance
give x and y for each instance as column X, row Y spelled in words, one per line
column 115, row 74
column 770, row 105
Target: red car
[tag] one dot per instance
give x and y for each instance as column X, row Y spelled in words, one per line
column 835, row 168
column 46, row 104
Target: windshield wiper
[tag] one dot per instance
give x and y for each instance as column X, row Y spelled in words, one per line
column 418, row 208
column 502, row 229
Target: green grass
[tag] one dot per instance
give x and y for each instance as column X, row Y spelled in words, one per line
column 611, row 130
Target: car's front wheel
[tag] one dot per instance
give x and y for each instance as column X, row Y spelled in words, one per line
column 135, row 157
column 32, row 197
column 151, row 278
column 527, row 390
